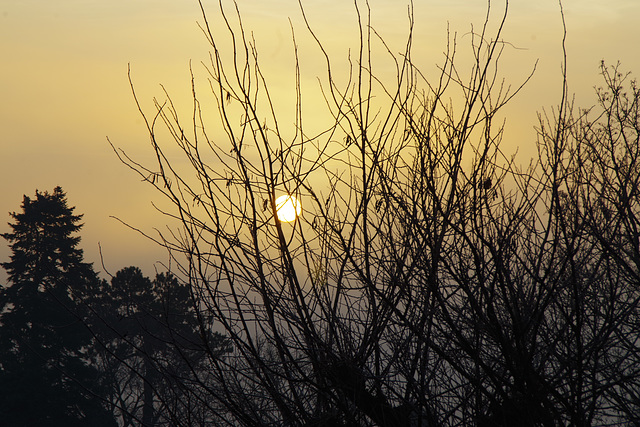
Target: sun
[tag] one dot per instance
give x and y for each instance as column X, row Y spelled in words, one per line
column 288, row 208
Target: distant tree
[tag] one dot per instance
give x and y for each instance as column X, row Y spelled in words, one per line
column 46, row 373
column 153, row 346
column 430, row 279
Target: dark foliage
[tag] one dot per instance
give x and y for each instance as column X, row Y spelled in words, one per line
column 46, row 374
column 153, row 345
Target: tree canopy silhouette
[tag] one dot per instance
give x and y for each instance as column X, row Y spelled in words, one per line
column 46, row 374
column 153, row 345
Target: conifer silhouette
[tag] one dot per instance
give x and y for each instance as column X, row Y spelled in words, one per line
column 46, row 375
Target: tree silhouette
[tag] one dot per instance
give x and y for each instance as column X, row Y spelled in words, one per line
column 46, row 374
column 153, row 345
column 430, row 279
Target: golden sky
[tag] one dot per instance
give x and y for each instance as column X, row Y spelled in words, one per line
column 64, row 87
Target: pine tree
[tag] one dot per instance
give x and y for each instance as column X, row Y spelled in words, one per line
column 46, row 374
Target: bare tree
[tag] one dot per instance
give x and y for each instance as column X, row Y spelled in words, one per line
column 430, row 280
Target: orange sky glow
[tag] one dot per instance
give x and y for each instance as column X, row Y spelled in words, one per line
column 64, row 86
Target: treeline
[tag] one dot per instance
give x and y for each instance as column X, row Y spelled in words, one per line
column 430, row 281
column 79, row 350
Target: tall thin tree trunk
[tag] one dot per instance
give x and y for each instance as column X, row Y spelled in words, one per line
column 147, row 408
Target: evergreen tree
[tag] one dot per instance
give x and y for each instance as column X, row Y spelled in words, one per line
column 46, row 374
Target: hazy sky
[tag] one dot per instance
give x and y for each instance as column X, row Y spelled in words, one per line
column 64, row 87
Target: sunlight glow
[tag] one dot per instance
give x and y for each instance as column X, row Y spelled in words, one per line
column 288, row 208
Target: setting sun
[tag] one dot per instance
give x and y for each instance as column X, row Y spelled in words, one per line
column 469, row 248
column 288, row 208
